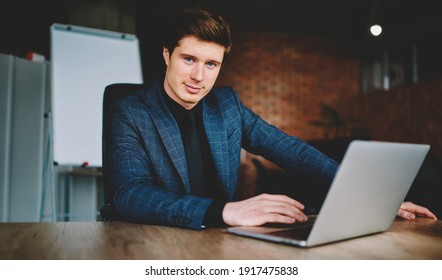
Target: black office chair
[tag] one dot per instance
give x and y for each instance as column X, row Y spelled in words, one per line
column 112, row 93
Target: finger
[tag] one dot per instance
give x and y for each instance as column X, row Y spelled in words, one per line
column 417, row 209
column 276, row 218
column 291, row 212
column 405, row 214
column 267, row 218
column 281, row 205
column 292, row 201
column 281, row 198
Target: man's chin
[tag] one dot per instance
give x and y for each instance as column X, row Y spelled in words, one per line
column 189, row 103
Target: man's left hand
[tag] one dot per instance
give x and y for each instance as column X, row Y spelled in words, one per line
column 409, row 211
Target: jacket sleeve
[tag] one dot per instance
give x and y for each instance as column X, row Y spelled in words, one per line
column 135, row 164
column 288, row 152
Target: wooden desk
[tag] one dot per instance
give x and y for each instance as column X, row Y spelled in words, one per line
column 419, row 239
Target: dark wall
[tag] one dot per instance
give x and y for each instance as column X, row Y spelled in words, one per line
column 24, row 25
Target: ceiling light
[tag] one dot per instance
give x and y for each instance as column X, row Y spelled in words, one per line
column 376, row 29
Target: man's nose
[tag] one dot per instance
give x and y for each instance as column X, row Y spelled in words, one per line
column 197, row 72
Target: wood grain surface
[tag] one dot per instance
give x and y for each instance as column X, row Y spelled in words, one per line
column 417, row 239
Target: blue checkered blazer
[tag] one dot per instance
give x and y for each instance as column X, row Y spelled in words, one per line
column 146, row 158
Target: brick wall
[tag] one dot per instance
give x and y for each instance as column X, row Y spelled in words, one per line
column 410, row 113
column 284, row 78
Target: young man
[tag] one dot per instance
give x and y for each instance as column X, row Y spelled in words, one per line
column 174, row 153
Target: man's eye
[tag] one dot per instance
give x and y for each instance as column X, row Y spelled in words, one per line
column 188, row 59
column 211, row 64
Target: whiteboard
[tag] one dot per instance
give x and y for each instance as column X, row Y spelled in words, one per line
column 83, row 62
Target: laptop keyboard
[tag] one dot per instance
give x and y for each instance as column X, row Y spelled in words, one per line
column 298, row 231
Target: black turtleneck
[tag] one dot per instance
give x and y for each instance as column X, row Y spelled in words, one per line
column 207, row 188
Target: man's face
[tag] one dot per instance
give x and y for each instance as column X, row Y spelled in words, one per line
column 192, row 69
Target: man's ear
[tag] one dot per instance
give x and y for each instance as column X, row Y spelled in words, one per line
column 166, row 55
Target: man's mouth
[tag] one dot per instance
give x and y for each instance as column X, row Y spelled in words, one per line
column 192, row 89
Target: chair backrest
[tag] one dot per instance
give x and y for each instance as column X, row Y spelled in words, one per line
column 112, row 93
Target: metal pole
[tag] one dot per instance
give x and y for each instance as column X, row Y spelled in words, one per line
column 48, row 167
column 415, row 77
column 385, row 71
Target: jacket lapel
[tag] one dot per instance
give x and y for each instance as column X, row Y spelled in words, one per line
column 168, row 131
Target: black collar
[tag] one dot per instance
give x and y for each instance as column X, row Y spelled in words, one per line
column 178, row 111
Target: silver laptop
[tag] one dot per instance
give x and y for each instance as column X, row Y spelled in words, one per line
column 366, row 193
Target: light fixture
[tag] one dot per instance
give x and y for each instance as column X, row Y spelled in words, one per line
column 376, row 30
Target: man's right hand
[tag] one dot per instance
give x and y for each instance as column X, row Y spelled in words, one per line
column 264, row 208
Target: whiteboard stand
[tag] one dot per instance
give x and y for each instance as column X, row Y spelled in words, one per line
column 48, row 169
column 83, row 62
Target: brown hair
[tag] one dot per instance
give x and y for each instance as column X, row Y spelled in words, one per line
column 202, row 24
